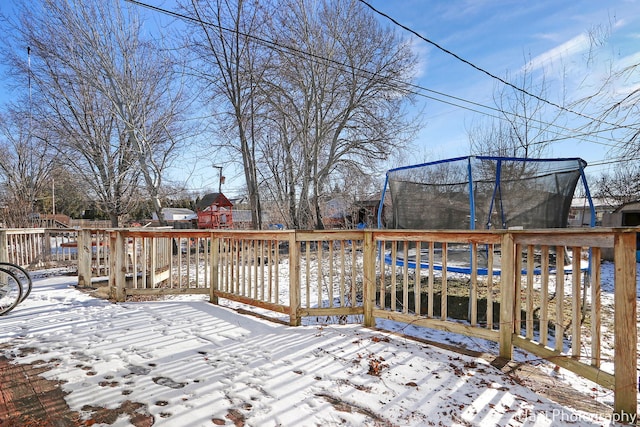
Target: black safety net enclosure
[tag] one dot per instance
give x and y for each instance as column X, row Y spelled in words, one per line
column 483, row 192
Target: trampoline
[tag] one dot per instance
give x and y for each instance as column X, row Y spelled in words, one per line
column 479, row 192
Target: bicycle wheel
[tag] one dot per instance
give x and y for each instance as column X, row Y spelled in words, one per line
column 10, row 291
column 22, row 275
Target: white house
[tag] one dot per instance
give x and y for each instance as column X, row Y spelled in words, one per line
column 580, row 212
column 176, row 214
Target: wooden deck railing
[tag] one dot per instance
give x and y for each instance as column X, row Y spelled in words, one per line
column 521, row 289
column 38, row 247
column 539, row 290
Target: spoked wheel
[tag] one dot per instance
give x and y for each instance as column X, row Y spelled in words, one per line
column 10, row 291
column 22, row 275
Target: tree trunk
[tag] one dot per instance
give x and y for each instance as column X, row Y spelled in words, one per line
column 115, row 220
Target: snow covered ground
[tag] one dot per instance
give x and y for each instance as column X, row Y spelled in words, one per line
column 195, row 364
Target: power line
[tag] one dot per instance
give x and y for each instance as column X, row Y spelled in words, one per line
column 408, row 87
column 615, row 160
column 493, row 76
column 578, row 136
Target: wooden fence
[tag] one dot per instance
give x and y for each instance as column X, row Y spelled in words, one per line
column 539, row 290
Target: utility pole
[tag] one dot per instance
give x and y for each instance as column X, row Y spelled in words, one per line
column 220, row 177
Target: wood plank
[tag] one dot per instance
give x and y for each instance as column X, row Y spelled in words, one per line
column 490, row 286
column 451, row 236
column 529, row 295
column 507, row 294
column 625, row 325
column 342, row 274
column 576, row 311
column 431, row 280
column 294, row 283
column 334, row 311
column 454, row 327
column 405, row 277
column 394, row 290
column 307, row 270
column 117, row 279
column 214, row 271
column 169, row 291
column 567, row 237
column 354, row 275
column 330, row 274
column 473, row 292
column 163, row 275
column 284, row 309
column 443, row 292
column 276, row 275
column 328, row 235
column 273, row 254
column 417, row 282
column 320, row 261
column 517, row 292
column 544, row 296
column 559, row 325
column 596, row 307
column 382, row 264
column 369, row 279
column 263, row 265
column 565, row 361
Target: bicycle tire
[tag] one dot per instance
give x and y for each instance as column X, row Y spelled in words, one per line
column 27, row 284
column 10, row 291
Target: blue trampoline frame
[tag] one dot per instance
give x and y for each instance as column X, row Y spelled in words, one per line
column 483, row 271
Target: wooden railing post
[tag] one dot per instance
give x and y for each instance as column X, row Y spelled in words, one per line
column 294, row 280
column 369, row 278
column 625, row 327
column 507, row 295
column 214, row 259
column 152, row 256
column 117, row 278
column 4, row 246
column 84, row 248
column 46, row 250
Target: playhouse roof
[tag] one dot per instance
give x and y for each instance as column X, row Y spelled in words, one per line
column 218, row 199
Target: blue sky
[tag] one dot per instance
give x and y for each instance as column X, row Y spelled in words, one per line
column 498, row 35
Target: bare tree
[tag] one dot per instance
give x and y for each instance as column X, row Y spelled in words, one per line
column 87, row 135
column 25, row 168
column 106, row 92
column 229, row 64
column 620, row 98
column 335, row 100
column 613, row 110
column 619, row 187
column 310, row 87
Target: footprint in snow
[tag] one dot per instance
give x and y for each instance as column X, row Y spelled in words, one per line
column 139, row 370
column 168, row 382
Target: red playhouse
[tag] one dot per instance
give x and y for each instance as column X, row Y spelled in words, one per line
column 214, row 211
